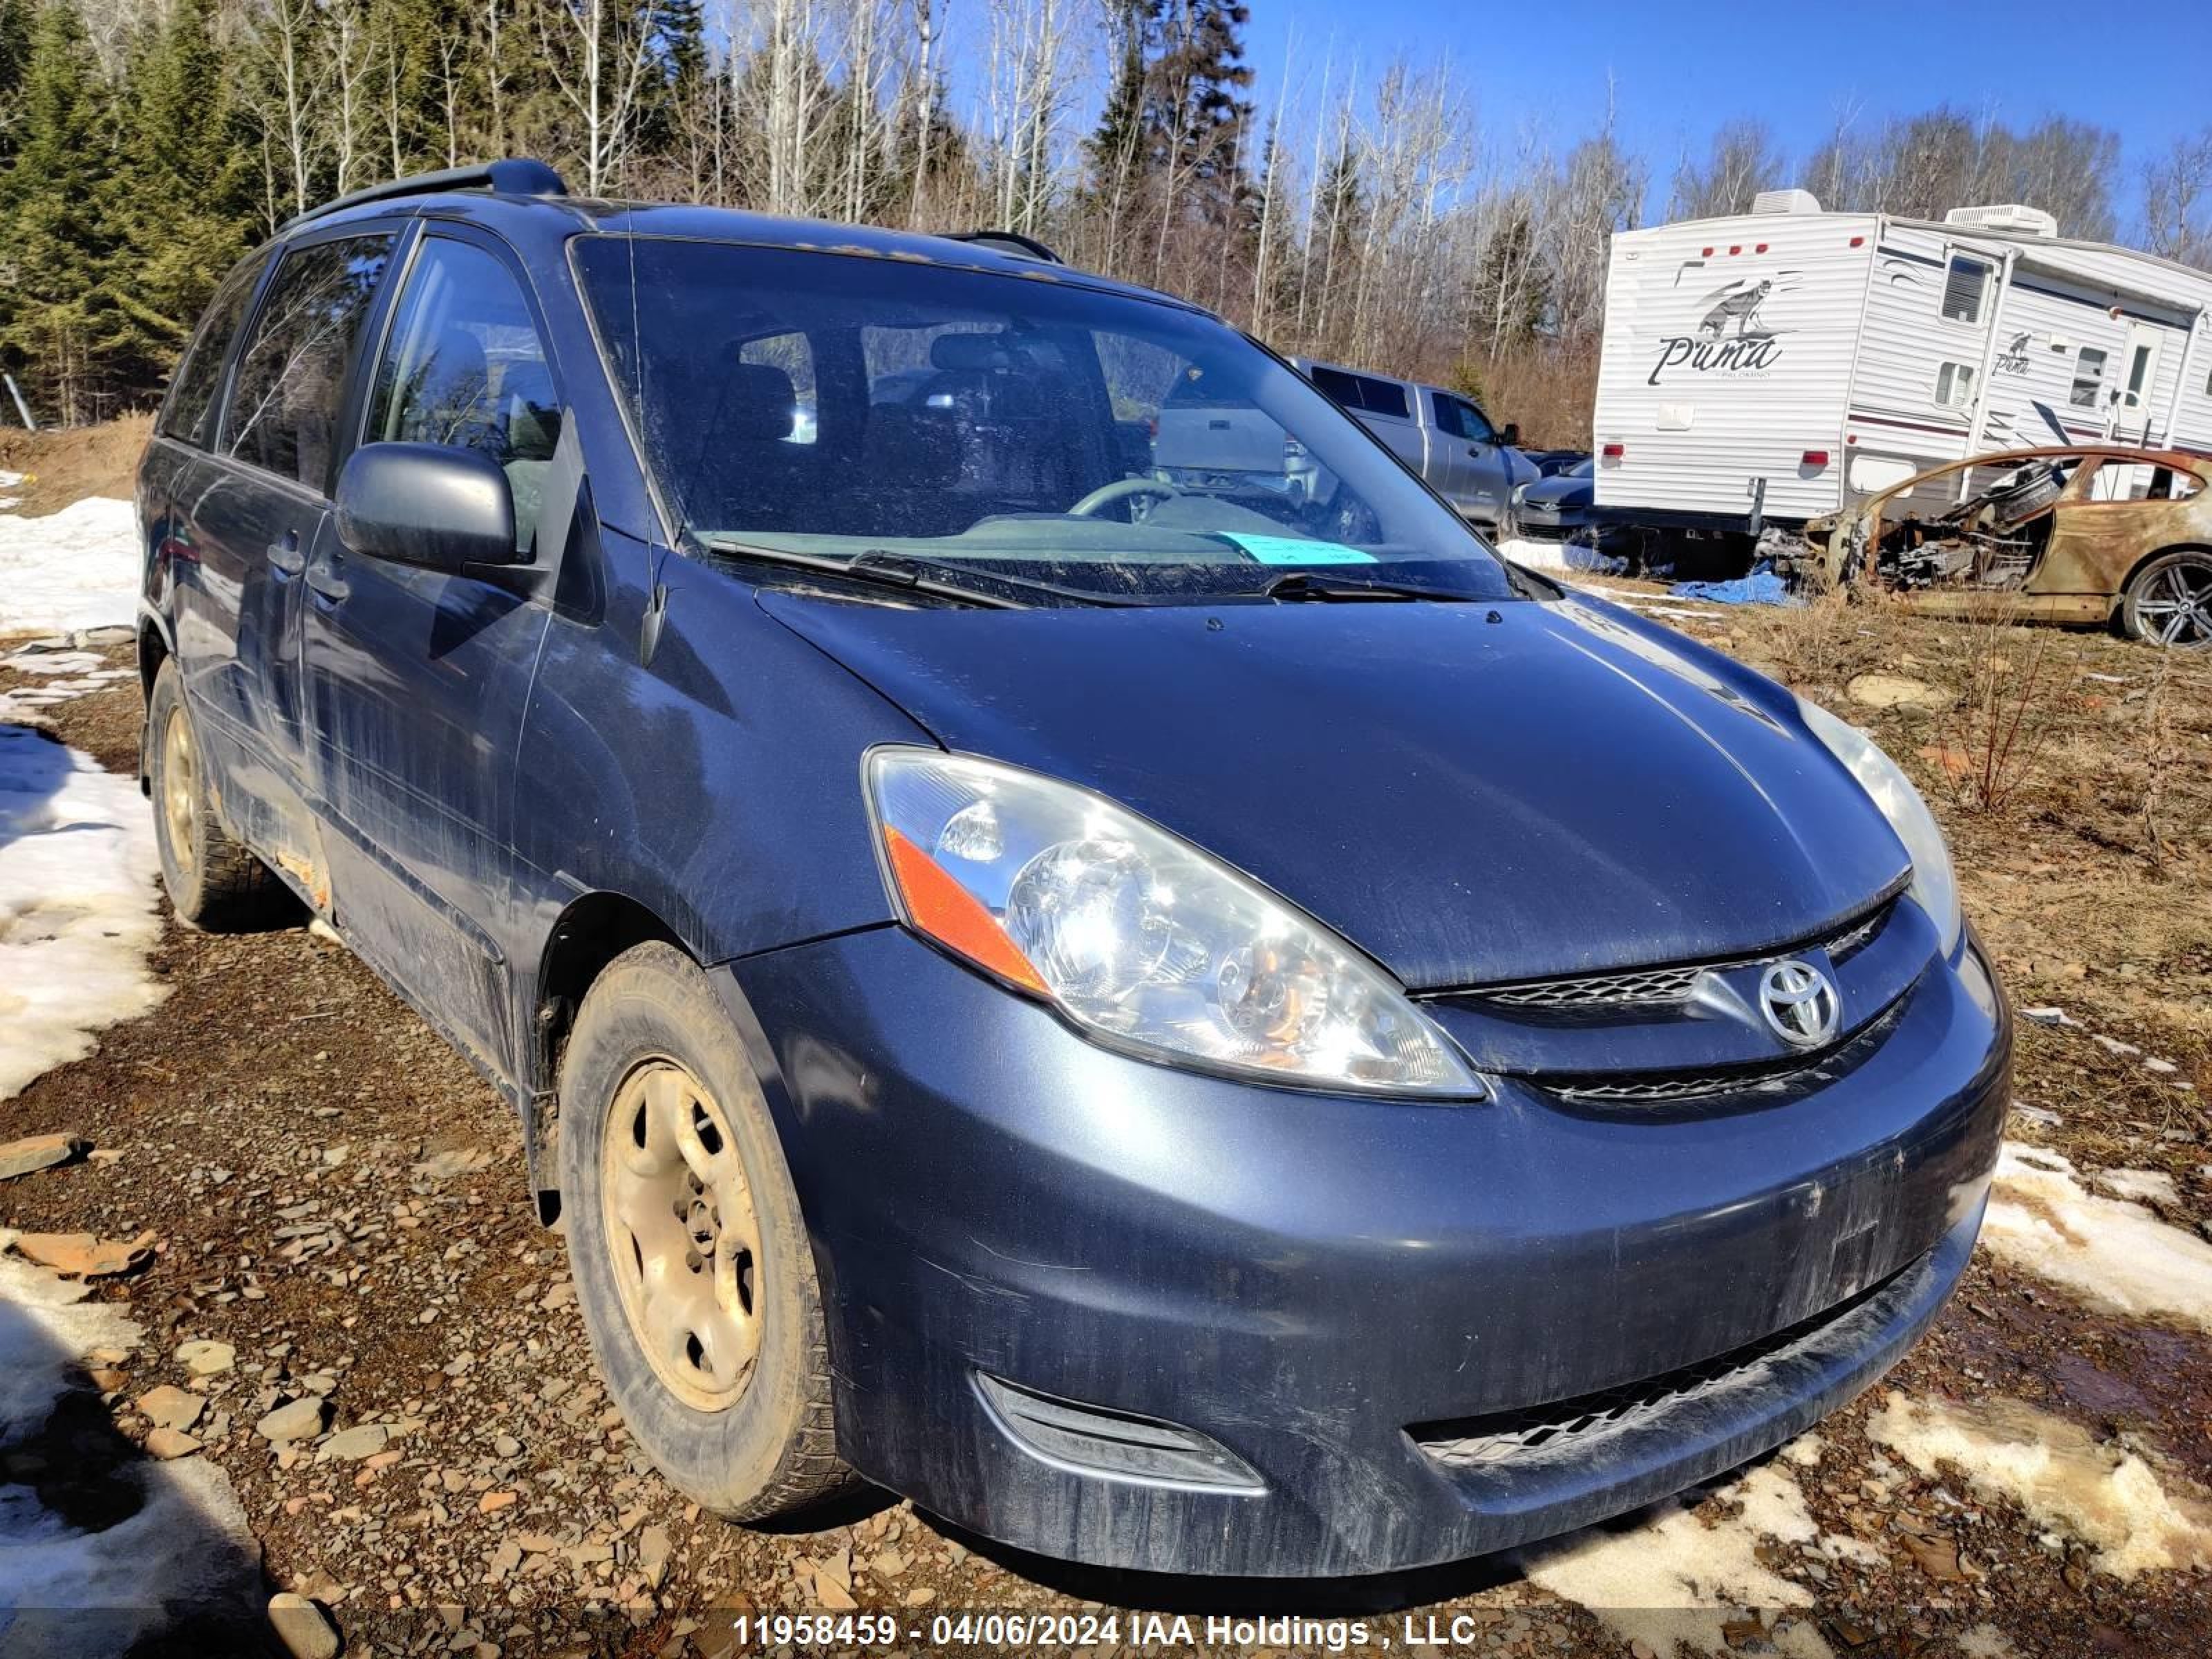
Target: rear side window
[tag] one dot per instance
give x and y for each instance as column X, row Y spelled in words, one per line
column 284, row 400
column 184, row 416
column 466, row 367
column 1385, row 398
column 1362, row 393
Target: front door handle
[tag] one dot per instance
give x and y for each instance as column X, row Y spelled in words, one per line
column 325, row 578
column 284, row 553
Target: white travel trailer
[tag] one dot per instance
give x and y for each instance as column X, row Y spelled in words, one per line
column 1777, row 365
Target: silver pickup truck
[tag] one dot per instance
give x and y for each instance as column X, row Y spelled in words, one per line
column 1441, row 435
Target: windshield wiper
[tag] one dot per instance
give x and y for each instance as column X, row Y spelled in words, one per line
column 913, row 575
column 934, row 574
column 1322, row 587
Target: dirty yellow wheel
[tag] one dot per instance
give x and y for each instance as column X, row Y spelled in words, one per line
column 179, row 785
column 211, row 879
column 684, row 1239
column 694, row 1273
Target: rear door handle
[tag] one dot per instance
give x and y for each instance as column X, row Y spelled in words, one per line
column 285, row 555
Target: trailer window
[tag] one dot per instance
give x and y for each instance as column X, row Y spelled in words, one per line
column 2088, row 378
column 1964, row 287
column 1955, row 385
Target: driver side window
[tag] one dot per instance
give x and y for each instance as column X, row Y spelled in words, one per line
column 1457, row 418
column 466, row 367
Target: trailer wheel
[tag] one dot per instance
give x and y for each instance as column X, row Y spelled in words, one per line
column 2170, row 601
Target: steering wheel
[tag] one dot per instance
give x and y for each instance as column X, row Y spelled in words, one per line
column 1122, row 490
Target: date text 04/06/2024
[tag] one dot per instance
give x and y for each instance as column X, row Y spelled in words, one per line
column 1080, row 1629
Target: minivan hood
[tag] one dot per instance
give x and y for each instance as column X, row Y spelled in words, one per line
column 1469, row 792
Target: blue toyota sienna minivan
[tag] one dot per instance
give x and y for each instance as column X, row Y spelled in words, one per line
column 1184, row 1017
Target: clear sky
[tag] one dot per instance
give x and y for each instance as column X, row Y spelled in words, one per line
column 1682, row 69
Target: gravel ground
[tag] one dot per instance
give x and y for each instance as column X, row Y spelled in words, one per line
column 342, row 1256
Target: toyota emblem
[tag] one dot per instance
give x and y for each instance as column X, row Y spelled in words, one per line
column 1800, row 1003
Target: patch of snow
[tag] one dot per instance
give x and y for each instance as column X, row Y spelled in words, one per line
column 2133, row 1519
column 2142, row 1186
column 1670, row 1578
column 69, row 1594
column 79, row 568
column 77, row 868
column 2113, row 1253
column 54, row 662
column 1987, row 1642
column 1805, row 1450
column 1559, row 556
column 46, row 1327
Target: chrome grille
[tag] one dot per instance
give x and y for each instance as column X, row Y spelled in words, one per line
column 1657, row 985
column 1647, row 1088
column 1857, row 934
column 1661, row 1088
column 1648, row 988
column 1571, row 1427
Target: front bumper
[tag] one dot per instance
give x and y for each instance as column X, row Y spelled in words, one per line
column 1357, row 1299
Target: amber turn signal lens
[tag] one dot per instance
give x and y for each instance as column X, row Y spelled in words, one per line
column 942, row 909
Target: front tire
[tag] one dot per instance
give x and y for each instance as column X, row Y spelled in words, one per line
column 692, row 1265
column 213, row 881
column 2170, row 601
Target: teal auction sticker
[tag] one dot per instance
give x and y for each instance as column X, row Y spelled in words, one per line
column 1290, row 549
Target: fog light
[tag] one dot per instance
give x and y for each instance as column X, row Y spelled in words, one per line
column 1114, row 1445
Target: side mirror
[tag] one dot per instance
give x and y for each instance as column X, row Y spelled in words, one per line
column 426, row 504
column 1510, row 434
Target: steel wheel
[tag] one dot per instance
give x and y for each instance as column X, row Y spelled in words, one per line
column 681, row 1228
column 179, row 787
column 2172, row 602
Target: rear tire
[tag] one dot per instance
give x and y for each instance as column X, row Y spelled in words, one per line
column 213, row 881
column 692, row 1265
column 2170, row 601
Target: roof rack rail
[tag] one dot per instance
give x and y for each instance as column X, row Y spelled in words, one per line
column 514, row 177
column 1009, row 242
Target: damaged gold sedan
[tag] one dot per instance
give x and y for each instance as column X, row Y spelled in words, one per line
column 2095, row 535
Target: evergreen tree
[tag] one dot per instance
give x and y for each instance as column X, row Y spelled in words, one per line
column 1196, row 118
column 1117, row 149
column 15, row 63
column 1512, row 293
column 677, row 33
column 176, row 202
column 56, row 245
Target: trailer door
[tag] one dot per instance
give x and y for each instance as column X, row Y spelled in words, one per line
column 2131, row 412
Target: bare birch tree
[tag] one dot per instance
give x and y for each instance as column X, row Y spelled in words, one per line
column 597, row 54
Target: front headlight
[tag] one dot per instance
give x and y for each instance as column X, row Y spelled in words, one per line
column 1934, row 888
column 1142, row 940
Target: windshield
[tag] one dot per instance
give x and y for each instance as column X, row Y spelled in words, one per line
column 825, row 406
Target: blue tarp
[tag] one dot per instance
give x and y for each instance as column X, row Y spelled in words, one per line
column 1762, row 587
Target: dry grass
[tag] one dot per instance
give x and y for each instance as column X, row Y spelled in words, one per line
column 2015, row 682
column 2072, row 772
